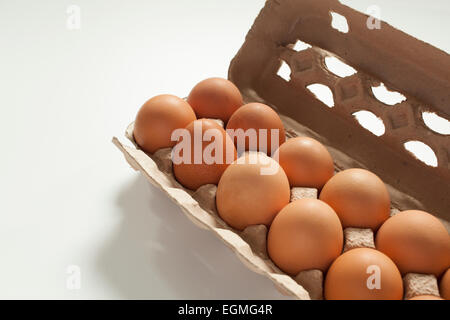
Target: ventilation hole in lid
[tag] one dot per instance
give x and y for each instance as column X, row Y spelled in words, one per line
column 370, row 121
column 422, row 152
column 322, row 93
column 284, row 71
column 436, row 123
column 386, row 96
column 338, row 67
column 300, row 46
column 339, row 22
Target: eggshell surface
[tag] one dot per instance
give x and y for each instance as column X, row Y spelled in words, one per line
column 363, row 274
column 444, row 285
column 264, row 121
column 416, row 241
column 359, row 197
column 305, row 235
column 215, row 98
column 252, row 191
column 208, row 168
column 158, row 118
column 306, row 161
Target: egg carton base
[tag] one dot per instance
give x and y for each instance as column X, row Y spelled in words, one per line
column 250, row 244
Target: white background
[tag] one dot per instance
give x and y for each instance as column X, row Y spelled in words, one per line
column 67, row 195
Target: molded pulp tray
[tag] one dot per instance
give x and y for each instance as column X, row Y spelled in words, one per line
column 417, row 70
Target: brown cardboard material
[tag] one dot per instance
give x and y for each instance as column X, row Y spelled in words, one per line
column 416, row 284
column 312, row 281
column 386, row 55
column 301, row 193
column 358, row 238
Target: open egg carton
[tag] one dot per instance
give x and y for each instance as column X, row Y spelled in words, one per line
column 299, row 36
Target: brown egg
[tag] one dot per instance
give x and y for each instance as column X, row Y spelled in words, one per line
column 305, row 235
column 265, row 123
column 416, row 241
column 363, row 274
column 359, row 197
column 426, row 297
column 215, row 98
column 306, row 161
column 202, row 161
column 444, row 285
column 158, row 118
column 252, row 191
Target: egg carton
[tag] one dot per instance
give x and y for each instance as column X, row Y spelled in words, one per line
column 404, row 64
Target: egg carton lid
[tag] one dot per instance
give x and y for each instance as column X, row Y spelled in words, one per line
column 385, row 55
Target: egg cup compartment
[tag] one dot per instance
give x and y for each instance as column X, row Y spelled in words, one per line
column 358, row 238
column 416, row 284
column 417, row 70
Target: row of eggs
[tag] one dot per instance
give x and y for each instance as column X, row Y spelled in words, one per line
column 304, row 234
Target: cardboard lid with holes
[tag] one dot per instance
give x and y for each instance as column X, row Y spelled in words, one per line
column 419, row 71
